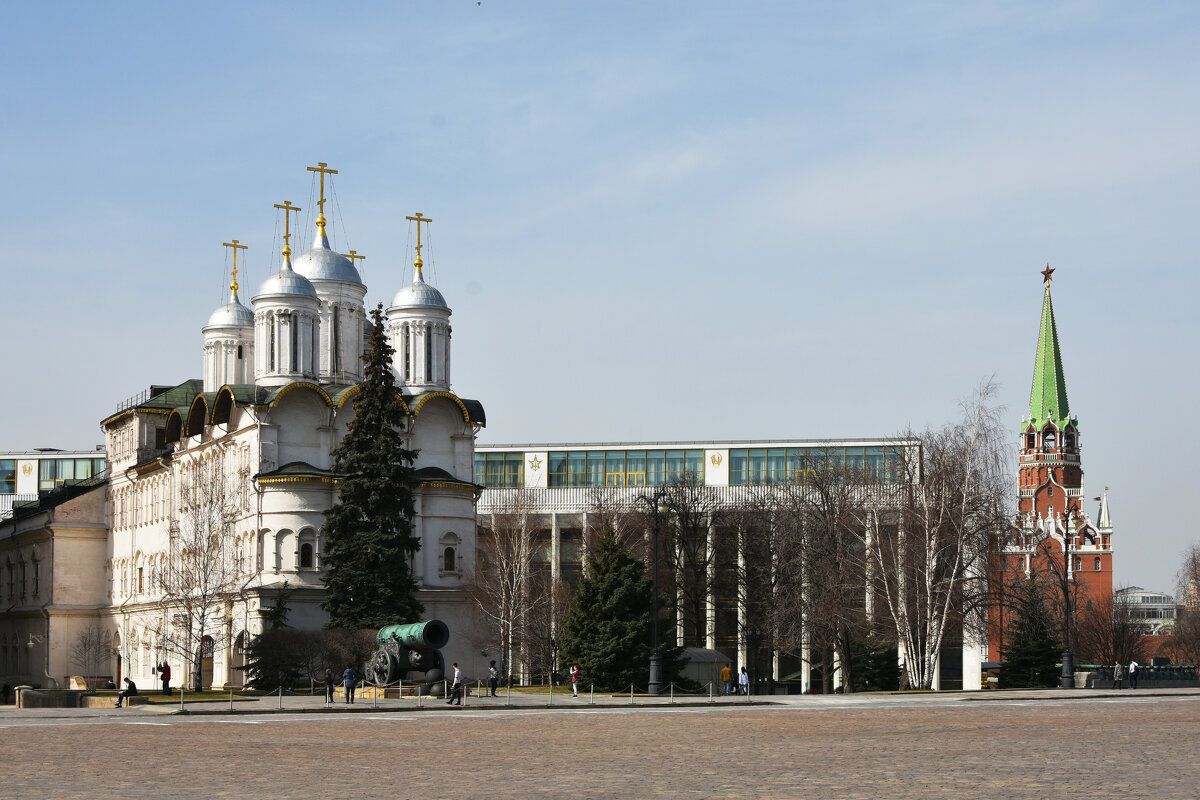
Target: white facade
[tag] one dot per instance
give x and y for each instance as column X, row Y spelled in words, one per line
column 276, row 398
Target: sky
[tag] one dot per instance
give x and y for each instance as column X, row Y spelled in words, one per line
column 653, row 221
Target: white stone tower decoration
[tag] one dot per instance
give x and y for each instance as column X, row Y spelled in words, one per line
column 341, row 293
column 229, row 338
column 287, row 325
column 419, row 330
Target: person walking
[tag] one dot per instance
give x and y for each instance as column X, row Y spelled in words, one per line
column 1133, row 674
column 329, row 684
column 574, row 680
column 349, row 679
column 744, row 682
column 493, row 678
column 1118, row 675
column 456, row 688
column 726, row 680
column 164, row 672
column 130, row 690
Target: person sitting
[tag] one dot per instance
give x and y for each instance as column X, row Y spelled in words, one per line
column 130, row 690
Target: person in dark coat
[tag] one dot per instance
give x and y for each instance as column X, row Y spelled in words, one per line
column 329, row 682
column 130, row 690
column 349, row 679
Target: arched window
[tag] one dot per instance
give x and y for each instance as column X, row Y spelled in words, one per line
column 1030, row 441
column 1048, row 440
column 1078, row 564
column 306, row 556
column 1097, row 563
column 448, row 565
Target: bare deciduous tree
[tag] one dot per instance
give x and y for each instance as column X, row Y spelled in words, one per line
column 688, row 513
column 199, row 577
column 1106, row 631
column 91, row 652
column 930, row 557
column 505, row 592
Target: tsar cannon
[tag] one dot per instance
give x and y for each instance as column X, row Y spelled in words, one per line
column 410, row 653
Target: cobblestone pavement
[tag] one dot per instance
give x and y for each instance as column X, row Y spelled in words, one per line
column 930, row 746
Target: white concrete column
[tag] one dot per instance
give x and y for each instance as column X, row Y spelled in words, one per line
column 710, row 600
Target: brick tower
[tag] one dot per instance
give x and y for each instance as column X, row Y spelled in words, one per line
column 1050, row 499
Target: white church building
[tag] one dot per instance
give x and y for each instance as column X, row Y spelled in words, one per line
column 276, row 397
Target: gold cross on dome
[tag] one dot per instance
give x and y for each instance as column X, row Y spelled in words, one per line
column 288, row 208
column 419, row 218
column 233, row 287
column 321, row 168
column 354, row 256
column 1047, row 274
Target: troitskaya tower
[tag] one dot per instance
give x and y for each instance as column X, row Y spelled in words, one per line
column 1051, row 519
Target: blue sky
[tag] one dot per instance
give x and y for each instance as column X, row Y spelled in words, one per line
column 652, row 220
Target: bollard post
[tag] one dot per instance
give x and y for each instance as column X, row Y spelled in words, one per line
column 446, row 689
column 181, row 697
column 508, row 694
column 551, row 692
column 710, row 691
column 631, row 694
column 375, row 696
column 592, row 695
column 281, row 698
column 231, row 698
column 400, row 689
column 420, row 695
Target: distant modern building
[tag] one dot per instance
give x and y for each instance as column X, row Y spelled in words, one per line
column 25, row 473
column 1155, row 612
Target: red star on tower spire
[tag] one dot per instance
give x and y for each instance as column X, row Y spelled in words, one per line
column 1048, row 274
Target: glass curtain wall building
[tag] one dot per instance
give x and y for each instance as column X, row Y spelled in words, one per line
column 569, row 489
column 25, row 473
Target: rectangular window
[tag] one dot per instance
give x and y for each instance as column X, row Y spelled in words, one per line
column 595, row 468
column 795, row 465
column 141, row 582
column 873, row 464
column 655, row 464
column 694, row 465
column 675, row 465
column 737, row 467
column 854, row 464
column 776, row 466
column 8, row 475
column 756, row 467
column 614, row 468
column 556, row 463
column 46, row 474
column 514, row 470
column 635, row 468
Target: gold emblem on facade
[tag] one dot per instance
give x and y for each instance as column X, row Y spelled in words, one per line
column 715, row 458
column 535, row 463
column 27, row 468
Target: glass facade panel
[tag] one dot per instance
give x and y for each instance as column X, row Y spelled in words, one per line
column 614, row 463
column 654, row 467
column 595, row 468
column 99, row 465
column 635, row 468
column 500, row 470
column 8, row 476
column 83, row 468
column 675, row 465
column 873, row 464
column 756, row 467
column 695, row 465
column 776, row 466
column 557, row 464
column 46, row 474
column 737, row 467
column 795, row 465
column 514, row 470
column 854, row 464
column 578, row 466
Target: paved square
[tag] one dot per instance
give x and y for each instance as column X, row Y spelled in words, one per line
column 1126, row 747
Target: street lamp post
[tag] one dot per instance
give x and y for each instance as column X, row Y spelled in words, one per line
column 1068, row 659
column 655, row 683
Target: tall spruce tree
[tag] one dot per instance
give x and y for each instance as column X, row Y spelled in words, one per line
column 369, row 542
column 607, row 633
column 1031, row 658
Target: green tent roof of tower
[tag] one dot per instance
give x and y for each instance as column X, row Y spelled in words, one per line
column 1048, row 399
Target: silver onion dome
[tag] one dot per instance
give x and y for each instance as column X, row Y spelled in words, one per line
column 287, row 281
column 231, row 315
column 322, row 264
column 419, row 294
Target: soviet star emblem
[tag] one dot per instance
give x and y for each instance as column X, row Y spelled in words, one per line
column 535, row 463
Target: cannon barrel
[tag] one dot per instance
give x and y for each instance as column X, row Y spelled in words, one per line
column 431, row 635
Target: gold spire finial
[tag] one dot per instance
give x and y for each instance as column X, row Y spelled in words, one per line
column 1047, row 274
column 233, row 285
column 419, row 218
column 321, row 168
column 288, row 208
column 354, row 256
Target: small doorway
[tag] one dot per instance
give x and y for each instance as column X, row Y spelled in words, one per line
column 207, row 646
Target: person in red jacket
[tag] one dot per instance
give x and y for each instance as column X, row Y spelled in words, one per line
column 164, row 672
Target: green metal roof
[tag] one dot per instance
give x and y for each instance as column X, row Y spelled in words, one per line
column 1048, row 399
